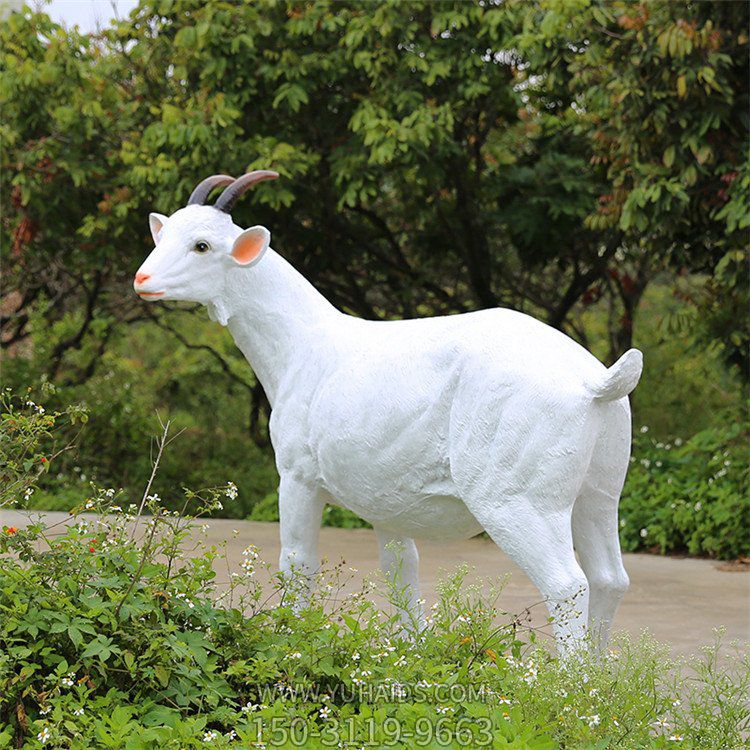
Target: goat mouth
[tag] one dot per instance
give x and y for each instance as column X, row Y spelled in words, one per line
column 150, row 294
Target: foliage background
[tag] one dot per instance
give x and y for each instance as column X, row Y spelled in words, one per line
column 583, row 161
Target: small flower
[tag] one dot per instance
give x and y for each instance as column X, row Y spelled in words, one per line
column 295, row 655
column 594, row 721
column 675, row 738
column 355, row 656
column 644, row 533
column 116, row 509
column 677, row 703
column 698, row 505
column 324, row 712
column 503, row 700
column 443, row 709
column 43, row 460
column 78, row 712
column 210, row 736
column 44, row 735
column 231, row 490
column 10, row 530
column 644, row 429
column 678, row 442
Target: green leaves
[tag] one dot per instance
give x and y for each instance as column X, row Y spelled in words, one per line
column 292, row 95
column 101, row 647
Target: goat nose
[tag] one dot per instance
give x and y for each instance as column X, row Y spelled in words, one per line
column 141, row 277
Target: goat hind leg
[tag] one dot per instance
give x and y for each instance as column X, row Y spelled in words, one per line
column 542, row 546
column 595, row 534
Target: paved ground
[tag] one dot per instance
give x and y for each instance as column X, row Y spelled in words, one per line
column 680, row 601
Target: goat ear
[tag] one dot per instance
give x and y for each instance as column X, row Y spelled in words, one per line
column 156, row 222
column 249, row 247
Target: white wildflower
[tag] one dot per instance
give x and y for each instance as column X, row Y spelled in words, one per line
column 44, row 735
column 68, row 680
column 231, row 491
column 644, row 533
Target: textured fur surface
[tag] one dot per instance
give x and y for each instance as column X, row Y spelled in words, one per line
column 433, row 428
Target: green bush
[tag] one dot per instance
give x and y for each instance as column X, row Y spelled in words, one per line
column 111, row 641
column 689, row 496
column 141, row 374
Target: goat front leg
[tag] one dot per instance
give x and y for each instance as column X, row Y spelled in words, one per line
column 399, row 561
column 300, row 515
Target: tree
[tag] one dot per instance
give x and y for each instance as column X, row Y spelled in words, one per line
column 435, row 156
column 661, row 95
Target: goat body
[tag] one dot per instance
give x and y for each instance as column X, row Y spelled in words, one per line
column 435, row 428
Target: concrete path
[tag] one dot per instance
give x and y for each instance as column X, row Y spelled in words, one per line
column 680, row 601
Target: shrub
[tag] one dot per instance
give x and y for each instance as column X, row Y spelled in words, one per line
column 689, row 496
column 107, row 640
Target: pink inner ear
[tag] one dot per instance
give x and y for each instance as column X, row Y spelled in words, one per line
column 156, row 226
column 248, row 247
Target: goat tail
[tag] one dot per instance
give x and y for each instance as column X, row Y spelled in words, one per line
column 620, row 379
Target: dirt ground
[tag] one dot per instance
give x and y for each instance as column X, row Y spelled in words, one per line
column 680, row 601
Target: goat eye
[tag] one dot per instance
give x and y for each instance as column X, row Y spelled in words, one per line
column 201, row 247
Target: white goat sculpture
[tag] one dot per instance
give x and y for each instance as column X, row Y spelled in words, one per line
column 435, row 428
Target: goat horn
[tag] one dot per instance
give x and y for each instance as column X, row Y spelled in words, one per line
column 204, row 187
column 229, row 197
